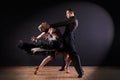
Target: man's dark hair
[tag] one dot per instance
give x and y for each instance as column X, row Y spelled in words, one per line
column 70, row 10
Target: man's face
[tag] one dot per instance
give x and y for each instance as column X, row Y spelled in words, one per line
column 68, row 14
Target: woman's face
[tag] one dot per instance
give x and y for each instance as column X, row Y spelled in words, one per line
column 43, row 29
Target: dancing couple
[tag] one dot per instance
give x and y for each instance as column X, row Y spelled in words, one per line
column 58, row 43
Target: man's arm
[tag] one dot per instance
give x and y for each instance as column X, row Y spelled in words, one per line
column 61, row 24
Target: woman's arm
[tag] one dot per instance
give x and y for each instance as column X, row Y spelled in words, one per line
column 34, row 39
column 39, row 36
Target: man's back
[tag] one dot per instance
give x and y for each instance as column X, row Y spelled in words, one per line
column 70, row 28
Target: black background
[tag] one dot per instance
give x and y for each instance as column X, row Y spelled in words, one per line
column 14, row 13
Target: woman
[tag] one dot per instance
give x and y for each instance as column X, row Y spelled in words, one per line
column 53, row 37
column 54, row 46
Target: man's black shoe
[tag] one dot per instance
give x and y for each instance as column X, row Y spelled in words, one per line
column 62, row 69
column 80, row 75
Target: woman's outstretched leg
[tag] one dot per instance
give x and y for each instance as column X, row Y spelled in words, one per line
column 43, row 63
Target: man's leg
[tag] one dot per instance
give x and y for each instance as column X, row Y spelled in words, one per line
column 76, row 62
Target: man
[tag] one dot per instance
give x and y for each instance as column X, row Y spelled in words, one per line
column 68, row 39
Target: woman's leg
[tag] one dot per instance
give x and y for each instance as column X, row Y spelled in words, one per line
column 43, row 63
column 68, row 62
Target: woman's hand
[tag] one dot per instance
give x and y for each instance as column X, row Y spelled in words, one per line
column 34, row 39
